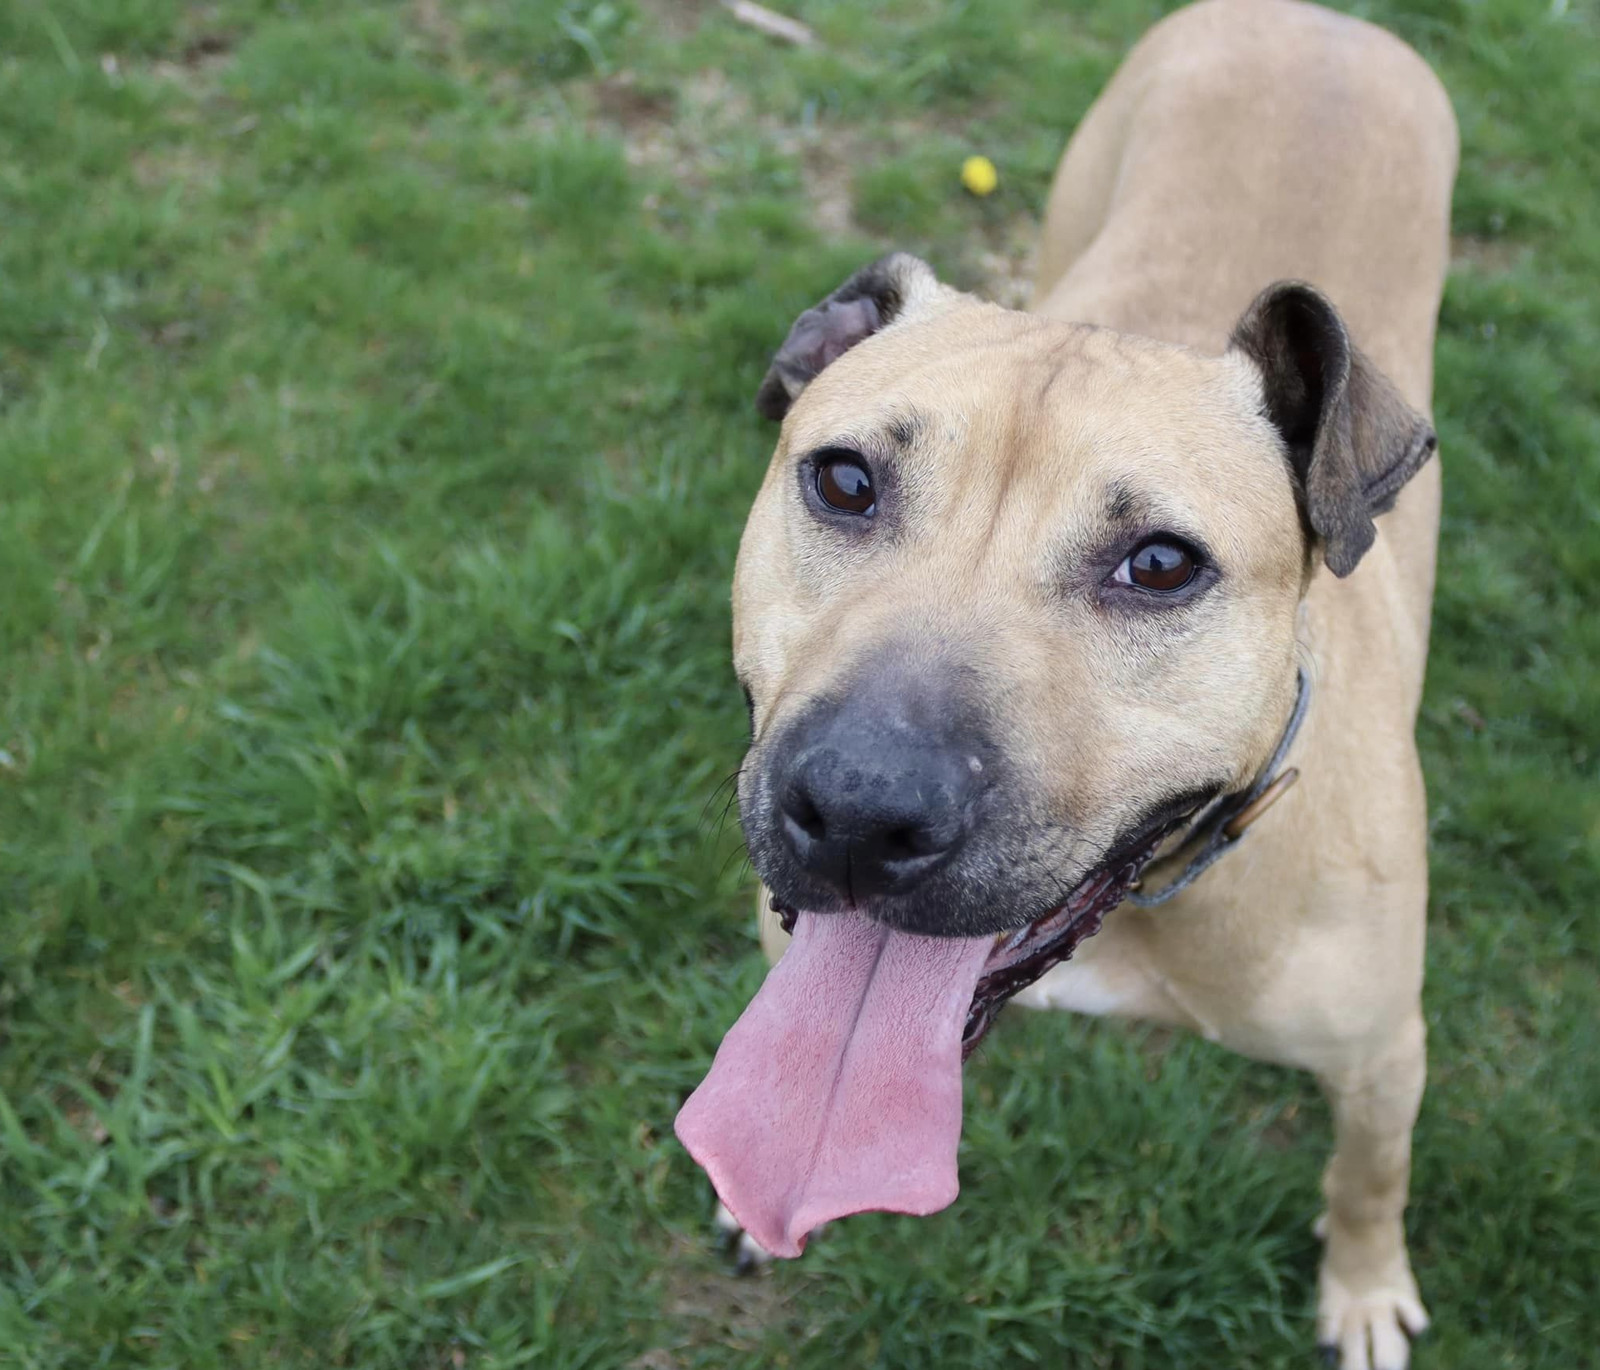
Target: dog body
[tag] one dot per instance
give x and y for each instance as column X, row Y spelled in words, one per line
column 1174, row 204
column 972, row 693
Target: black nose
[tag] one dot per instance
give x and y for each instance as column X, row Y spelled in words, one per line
column 874, row 815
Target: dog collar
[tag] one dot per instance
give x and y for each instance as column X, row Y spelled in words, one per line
column 1225, row 821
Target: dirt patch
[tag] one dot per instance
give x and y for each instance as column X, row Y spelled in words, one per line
column 206, row 47
column 714, row 1307
column 1007, row 266
column 687, row 132
column 715, row 102
column 1487, row 256
column 200, row 63
column 631, row 106
column 675, row 20
column 181, row 164
column 434, row 21
column 1283, row 1133
column 686, row 135
column 828, row 169
column 677, row 135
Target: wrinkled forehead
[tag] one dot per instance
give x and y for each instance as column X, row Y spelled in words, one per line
column 1065, row 426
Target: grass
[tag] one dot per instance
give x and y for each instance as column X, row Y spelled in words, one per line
column 375, row 432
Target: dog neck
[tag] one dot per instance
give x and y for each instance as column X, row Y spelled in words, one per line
column 1220, row 826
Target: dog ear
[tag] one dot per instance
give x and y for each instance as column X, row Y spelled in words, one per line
column 873, row 298
column 1352, row 440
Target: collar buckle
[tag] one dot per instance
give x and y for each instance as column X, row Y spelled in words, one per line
column 1235, row 827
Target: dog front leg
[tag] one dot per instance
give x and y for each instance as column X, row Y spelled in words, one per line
column 1367, row 1297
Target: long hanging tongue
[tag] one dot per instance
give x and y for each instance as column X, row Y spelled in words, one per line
column 839, row 1089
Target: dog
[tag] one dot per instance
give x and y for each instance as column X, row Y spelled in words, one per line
column 1041, row 614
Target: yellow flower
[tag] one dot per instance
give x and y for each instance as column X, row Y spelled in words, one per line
column 979, row 176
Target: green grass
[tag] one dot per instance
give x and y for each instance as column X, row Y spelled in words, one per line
column 375, row 433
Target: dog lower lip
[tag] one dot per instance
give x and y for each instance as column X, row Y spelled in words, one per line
column 1021, row 955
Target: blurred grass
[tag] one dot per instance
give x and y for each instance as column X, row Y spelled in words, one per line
column 375, row 433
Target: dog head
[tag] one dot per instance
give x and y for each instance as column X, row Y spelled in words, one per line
column 1018, row 595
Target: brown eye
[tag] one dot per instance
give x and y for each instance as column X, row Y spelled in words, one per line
column 844, row 483
column 1159, row 566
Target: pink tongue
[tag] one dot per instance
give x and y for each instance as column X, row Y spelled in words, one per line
column 839, row 1088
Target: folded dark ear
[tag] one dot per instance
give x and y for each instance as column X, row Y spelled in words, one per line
column 1352, row 440
column 871, row 299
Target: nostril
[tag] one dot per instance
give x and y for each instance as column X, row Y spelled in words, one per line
column 901, row 844
column 804, row 814
column 916, row 841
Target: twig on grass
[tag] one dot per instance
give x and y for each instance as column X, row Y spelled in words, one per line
column 772, row 24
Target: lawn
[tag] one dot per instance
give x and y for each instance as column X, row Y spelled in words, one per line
column 375, row 434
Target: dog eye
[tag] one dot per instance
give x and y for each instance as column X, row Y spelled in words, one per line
column 844, row 483
column 1163, row 567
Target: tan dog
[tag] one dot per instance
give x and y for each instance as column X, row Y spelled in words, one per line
column 1027, row 595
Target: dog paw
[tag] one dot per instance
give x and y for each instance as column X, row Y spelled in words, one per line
column 749, row 1256
column 1366, row 1324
